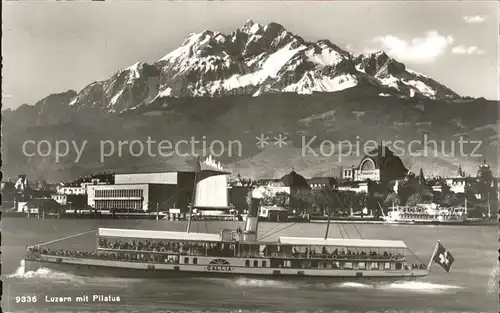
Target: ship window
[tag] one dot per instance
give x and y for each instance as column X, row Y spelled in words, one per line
column 247, row 263
column 264, row 264
column 374, row 266
column 362, row 265
column 387, row 265
column 399, row 266
column 186, row 260
column 348, row 266
column 195, row 260
column 255, row 263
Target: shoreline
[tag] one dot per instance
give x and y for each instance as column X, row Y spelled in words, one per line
column 492, row 222
column 466, row 223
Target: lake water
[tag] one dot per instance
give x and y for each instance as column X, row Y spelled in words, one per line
column 471, row 286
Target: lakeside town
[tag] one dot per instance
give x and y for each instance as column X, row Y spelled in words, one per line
column 377, row 188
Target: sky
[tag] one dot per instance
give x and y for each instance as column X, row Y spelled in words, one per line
column 51, row 47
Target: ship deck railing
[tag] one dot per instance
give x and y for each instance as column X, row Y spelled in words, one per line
column 429, row 216
column 319, row 256
column 36, row 257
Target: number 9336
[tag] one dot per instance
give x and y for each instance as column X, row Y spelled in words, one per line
column 26, row 299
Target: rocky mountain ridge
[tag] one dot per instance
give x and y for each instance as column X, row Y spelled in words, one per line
column 254, row 60
column 260, row 79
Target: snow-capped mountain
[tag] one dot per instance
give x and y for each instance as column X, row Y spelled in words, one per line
column 254, row 60
column 395, row 75
column 126, row 89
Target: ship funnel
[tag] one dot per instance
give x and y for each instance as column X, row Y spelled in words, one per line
column 251, row 224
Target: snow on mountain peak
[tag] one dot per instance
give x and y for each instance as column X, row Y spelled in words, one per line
column 192, row 45
column 250, row 27
column 416, row 73
column 324, row 55
column 393, row 74
column 254, row 60
column 134, row 70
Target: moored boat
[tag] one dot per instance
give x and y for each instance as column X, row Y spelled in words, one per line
column 425, row 215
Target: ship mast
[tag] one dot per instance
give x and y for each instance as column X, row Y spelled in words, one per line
column 198, row 167
column 465, row 204
column 329, row 217
column 327, row 225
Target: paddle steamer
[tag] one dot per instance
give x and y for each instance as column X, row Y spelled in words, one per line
column 146, row 253
column 425, row 215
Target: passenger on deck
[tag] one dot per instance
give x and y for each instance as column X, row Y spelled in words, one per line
column 265, row 251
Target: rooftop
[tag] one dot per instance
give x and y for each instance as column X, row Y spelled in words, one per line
column 293, row 179
column 153, row 234
column 340, row 242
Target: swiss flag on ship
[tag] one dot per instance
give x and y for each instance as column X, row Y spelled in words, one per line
column 443, row 257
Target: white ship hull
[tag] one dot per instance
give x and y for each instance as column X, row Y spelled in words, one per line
column 100, row 267
column 403, row 215
column 423, row 221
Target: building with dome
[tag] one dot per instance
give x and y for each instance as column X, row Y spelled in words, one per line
column 459, row 183
column 484, row 174
column 379, row 164
column 294, row 181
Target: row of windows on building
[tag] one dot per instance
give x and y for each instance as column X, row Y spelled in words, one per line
column 72, row 190
column 119, row 193
column 119, row 204
column 318, row 185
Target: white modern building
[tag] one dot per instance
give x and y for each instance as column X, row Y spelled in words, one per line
column 211, row 189
column 137, row 197
column 163, row 190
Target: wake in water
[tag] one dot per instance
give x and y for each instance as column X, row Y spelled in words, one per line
column 404, row 286
column 44, row 273
column 413, row 286
column 62, row 277
column 247, row 282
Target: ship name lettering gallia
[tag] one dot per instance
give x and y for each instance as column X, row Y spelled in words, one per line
column 103, row 298
column 219, row 268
